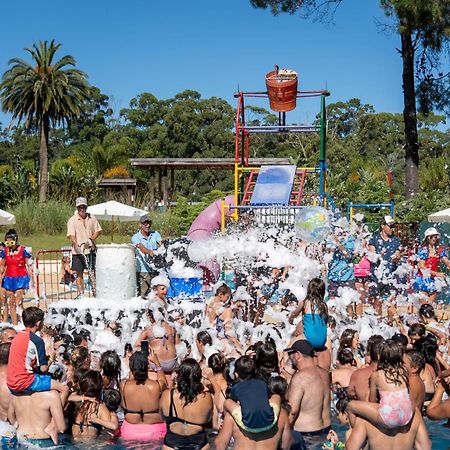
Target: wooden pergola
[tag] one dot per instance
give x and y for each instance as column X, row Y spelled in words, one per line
column 162, row 170
column 128, row 185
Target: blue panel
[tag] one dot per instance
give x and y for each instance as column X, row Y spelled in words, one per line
column 273, row 185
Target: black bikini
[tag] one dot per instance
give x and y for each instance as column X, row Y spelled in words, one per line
column 141, row 412
column 177, row 441
column 97, row 426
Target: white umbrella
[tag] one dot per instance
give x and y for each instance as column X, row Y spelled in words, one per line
column 7, row 218
column 115, row 211
column 440, row 216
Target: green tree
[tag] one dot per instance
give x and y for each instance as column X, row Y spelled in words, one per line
column 424, row 29
column 44, row 93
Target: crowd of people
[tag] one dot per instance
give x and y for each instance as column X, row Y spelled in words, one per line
column 283, row 386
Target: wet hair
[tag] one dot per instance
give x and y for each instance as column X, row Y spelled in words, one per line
column 343, row 401
column 278, row 385
column 139, row 367
column 417, row 329
column 315, row 294
column 373, row 347
column 31, row 316
column 245, row 367
column 110, row 365
column 346, row 339
column 128, row 348
column 416, row 358
column 427, row 311
column 266, row 361
column 90, row 384
column 270, row 340
column 204, row 337
column 390, row 361
column 112, row 399
column 226, row 372
column 49, row 330
column 345, row 356
column 401, row 339
column 189, row 380
column 223, row 289
column 77, row 375
column 11, row 234
column 79, row 356
column 217, row 362
column 80, row 336
column 428, row 346
column 4, row 353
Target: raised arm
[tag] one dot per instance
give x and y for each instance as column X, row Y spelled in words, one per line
column 438, row 409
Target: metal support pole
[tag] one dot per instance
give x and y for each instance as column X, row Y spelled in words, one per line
column 323, row 145
column 222, row 216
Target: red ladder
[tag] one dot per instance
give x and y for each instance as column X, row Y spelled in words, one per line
column 249, row 187
column 297, row 187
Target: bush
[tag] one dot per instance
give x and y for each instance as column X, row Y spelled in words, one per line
column 34, row 217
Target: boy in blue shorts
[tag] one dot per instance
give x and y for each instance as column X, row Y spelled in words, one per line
column 27, row 363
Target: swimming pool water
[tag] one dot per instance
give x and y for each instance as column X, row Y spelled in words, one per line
column 439, row 435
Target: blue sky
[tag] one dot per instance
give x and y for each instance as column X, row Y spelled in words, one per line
column 131, row 47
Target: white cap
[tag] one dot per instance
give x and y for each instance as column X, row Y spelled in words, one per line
column 80, row 201
column 431, row 232
column 388, row 220
column 160, row 281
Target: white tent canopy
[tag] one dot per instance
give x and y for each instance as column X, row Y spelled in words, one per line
column 7, row 218
column 115, row 211
column 440, row 216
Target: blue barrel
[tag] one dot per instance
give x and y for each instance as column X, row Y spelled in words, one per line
column 187, row 287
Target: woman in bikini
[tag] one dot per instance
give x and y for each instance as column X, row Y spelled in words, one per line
column 141, row 400
column 90, row 414
column 162, row 338
column 187, row 409
column 214, row 375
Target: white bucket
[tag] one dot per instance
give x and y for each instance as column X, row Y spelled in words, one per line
column 116, row 271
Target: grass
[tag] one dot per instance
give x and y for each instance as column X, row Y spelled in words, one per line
column 43, row 241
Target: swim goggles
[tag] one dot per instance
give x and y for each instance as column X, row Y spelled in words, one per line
column 10, row 243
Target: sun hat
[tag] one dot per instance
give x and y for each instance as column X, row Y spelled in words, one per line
column 80, row 201
column 302, row 346
column 431, row 232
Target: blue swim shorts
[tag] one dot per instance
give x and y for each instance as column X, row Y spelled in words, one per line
column 41, row 383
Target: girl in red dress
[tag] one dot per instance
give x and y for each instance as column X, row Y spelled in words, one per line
column 15, row 278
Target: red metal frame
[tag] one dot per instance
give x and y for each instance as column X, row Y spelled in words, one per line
column 48, row 280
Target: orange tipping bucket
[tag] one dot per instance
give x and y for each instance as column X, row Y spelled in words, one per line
column 282, row 89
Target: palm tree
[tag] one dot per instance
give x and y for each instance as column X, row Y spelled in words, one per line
column 44, row 94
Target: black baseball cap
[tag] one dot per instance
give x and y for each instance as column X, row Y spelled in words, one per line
column 302, row 346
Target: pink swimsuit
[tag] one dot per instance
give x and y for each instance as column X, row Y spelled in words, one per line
column 396, row 409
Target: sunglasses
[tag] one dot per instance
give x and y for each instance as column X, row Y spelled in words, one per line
column 10, row 243
column 82, row 207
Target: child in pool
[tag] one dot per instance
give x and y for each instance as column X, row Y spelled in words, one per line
column 249, row 402
column 315, row 314
column 390, row 382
